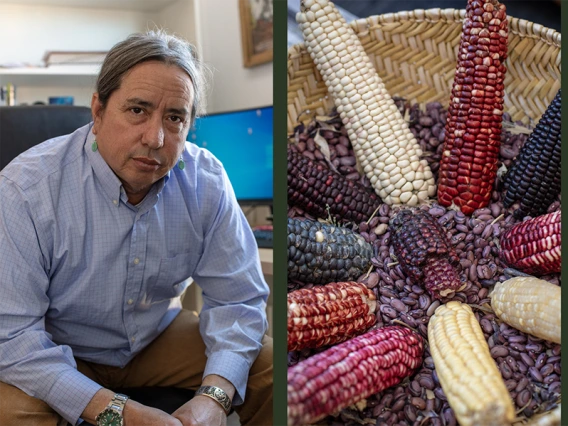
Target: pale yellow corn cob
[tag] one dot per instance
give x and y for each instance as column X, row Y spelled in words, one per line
column 529, row 304
column 467, row 372
column 382, row 142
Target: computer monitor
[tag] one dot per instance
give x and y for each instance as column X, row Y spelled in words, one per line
column 242, row 141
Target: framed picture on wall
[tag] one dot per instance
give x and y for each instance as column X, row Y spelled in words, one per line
column 256, row 31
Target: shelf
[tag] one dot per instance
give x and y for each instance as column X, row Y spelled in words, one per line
column 132, row 5
column 64, row 76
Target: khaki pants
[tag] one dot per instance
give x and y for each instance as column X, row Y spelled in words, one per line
column 175, row 359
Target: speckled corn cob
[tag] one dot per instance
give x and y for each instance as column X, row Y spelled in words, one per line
column 473, row 129
column 381, row 139
column 351, row 371
column 424, row 252
column 319, row 253
column 534, row 246
column 467, row 372
column 330, row 314
column 322, row 192
column 529, row 304
column 534, row 177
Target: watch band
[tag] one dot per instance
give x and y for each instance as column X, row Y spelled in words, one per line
column 216, row 394
column 117, row 402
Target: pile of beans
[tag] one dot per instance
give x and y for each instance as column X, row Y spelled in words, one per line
column 529, row 366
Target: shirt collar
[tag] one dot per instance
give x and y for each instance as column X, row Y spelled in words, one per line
column 112, row 186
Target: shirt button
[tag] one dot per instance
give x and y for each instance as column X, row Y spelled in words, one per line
column 133, row 339
column 136, row 261
column 130, row 301
column 115, row 202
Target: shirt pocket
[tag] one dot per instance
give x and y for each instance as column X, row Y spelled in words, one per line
column 173, row 277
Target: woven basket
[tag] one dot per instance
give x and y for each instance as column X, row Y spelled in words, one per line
column 415, row 54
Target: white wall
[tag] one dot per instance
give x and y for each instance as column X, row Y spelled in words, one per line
column 27, row 32
column 234, row 86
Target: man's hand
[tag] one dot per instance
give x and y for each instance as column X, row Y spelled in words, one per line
column 204, row 411
column 201, row 411
column 135, row 414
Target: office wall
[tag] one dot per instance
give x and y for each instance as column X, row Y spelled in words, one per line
column 235, row 87
column 27, row 32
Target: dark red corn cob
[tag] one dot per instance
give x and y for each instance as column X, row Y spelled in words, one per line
column 424, row 252
column 319, row 253
column 473, row 129
column 534, row 178
column 322, row 192
column 533, row 246
column 351, row 371
column 330, row 314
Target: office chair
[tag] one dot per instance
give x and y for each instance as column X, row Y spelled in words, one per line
column 22, row 127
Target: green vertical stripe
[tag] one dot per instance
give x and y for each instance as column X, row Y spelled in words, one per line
column 280, row 183
column 564, row 194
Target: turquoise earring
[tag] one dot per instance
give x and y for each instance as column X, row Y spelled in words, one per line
column 181, row 163
column 94, row 146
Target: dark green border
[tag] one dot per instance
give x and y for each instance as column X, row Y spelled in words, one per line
column 564, row 194
column 280, row 185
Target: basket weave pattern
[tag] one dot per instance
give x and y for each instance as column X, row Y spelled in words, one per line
column 415, row 54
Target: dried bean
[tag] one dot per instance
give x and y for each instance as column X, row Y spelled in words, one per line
column 418, row 402
column 535, row 374
column 523, row 398
column 432, row 307
column 498, row 351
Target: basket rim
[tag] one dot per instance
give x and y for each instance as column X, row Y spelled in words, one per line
column 521, row 27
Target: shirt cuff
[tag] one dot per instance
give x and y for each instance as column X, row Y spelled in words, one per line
column 70, row 394
column 232, row 367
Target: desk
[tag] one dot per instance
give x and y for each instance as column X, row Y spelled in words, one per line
column 193, row 300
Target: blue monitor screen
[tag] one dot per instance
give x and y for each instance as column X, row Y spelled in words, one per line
column 242, row 141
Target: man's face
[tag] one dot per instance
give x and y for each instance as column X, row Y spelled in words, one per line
column 142, row 131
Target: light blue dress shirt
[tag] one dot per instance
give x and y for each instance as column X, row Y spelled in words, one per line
column 85, row 274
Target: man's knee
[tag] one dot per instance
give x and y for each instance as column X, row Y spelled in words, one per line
column 18, row 408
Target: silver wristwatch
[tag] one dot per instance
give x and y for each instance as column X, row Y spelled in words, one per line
column 112, row 414
column 217, row 394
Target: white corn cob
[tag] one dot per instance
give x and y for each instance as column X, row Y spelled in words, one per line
column 529, row 304
column 467, row 372
column 381, row 139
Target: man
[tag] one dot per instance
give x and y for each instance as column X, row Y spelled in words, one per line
column 99, row 232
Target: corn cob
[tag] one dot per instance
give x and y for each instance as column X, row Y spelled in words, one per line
column 351, row 371
column 381, row 139
column 473, row 129
column 424, row 252
column 316, row 189
column 534, row 246
column 534, row 178
column 467, row 372
column 319, row 253
column 529, row 304
column 329, row 314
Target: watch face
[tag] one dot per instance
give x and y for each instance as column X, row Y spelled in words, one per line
column 109, row 418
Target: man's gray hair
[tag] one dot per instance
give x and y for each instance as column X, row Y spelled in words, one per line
column 153, row 45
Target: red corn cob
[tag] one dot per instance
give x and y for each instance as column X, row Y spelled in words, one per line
column 533, row 246
column 424, row 252
column 473, row 129
column 351, row 371
column 329, row 314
